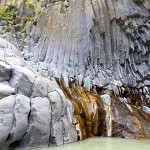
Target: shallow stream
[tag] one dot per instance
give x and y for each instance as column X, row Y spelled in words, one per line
column 104, row 144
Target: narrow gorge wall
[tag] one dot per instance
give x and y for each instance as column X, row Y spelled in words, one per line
column 94, row 41
column 75, row 69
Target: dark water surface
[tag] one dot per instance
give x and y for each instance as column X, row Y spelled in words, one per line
column 104, row 144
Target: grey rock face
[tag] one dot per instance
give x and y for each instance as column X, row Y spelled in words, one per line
column 40, row 87
column 22, row 80
column 62, row 130
column 6, row 90
column 39, row 124
column 5, row 71
column 146, row 109
column 57, row 107
column 5, row 44
column 36, row 108
column 97, row 42
column 14, row 112
column 57, row 133
column 21, row 111
column 69, row 135
column 107, row 99
column 6, row 118
column 102, row 45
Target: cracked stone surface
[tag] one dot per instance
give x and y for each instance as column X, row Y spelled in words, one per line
column 32, row 106
column 94, row 41
column 81, row 69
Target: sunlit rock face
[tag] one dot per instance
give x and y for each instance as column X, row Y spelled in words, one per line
column 94, row 41
column 84, row 71
column 16, row 2
column 33, row 106
column 34, row 111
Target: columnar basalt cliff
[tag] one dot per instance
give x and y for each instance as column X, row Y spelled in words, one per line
column 73, row 69
column 94, row 41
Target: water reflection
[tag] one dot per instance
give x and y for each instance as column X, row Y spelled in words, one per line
column 104, row 144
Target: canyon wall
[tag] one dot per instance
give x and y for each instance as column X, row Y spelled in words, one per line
column 72, row 70
column 94, row 41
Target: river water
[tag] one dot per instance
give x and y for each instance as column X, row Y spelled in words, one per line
column 104, row 144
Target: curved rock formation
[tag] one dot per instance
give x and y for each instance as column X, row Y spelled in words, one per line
column 31, row 106
column 85, row 71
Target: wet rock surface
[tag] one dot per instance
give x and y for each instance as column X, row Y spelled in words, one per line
column 98, row 114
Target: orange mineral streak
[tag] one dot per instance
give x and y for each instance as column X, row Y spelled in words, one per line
column 92, row 117
column 86, row 112
column 140, row 119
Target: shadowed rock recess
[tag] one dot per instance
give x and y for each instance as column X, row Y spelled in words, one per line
column 73, row 69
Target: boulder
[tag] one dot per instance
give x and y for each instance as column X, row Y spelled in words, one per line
column 146, row 109
column 22, row 80
column 107, row 99
column 5, row 71
column 6, row 44
column 6, row 90
column 57, row 133
column 69, row 133
column 56, row 106
column 6, row 118
column 21, row 111
column 39, row 125
column 40, row 87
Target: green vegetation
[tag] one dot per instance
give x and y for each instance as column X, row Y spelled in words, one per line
column 13, row 14
column 10, row 15
column 29, row 18
column 23, row 30
column 6, row 13
column 37, row 10
column 3, row 12
column 12, row 4
column 62, row 8
column 30, row 5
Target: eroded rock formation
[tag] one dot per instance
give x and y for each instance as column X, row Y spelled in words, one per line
column 33, row 106
column 33, row 110
column 81, row 69
column 94, row 41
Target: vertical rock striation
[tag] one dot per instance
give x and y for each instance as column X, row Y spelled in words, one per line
column 94, row 41
column 85, row 72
